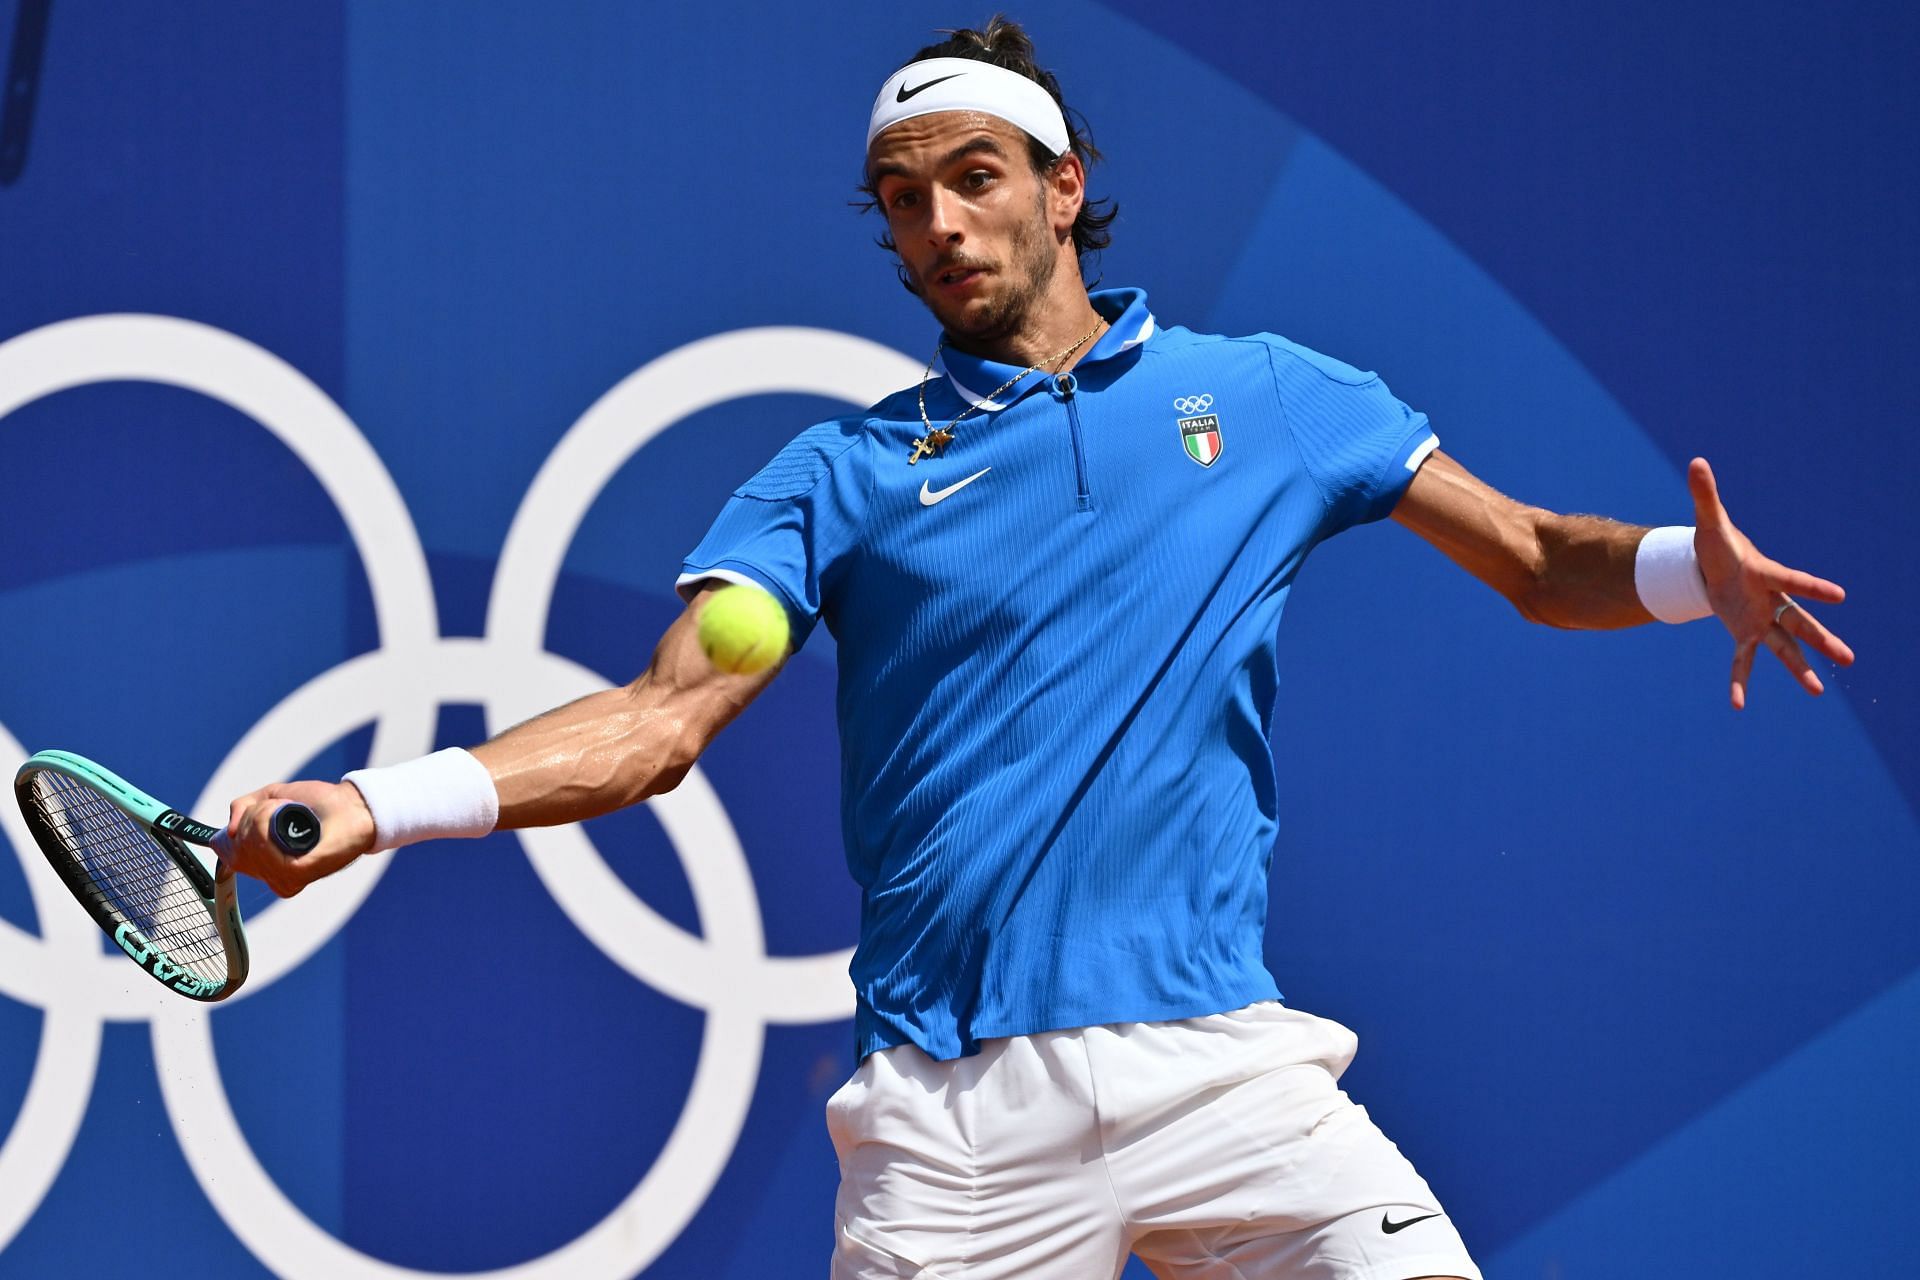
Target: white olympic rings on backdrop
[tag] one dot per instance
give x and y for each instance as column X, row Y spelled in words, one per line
column 724, row 970
column 1193, row 404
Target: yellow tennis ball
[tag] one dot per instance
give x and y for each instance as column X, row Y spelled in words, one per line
column 743, row 630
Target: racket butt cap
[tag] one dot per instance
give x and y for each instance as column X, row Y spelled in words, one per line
column 295, row 828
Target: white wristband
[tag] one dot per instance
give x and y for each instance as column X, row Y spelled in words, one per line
column 448, row 793
column 1667, row 575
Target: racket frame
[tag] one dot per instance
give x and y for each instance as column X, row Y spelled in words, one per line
column 171, row 830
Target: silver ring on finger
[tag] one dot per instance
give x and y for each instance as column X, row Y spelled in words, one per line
column 1781, row 610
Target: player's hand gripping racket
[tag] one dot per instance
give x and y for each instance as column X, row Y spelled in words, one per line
column 123, row 854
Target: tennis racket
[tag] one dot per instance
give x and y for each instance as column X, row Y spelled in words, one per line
column 126, row 857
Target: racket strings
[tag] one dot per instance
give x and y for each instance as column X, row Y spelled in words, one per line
column 129, row 871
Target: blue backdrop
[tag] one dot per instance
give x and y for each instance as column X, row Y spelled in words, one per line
column 297, row 302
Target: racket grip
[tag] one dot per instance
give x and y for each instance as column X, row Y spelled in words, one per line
column 295, row 828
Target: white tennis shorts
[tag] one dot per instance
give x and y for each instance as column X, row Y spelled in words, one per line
column 1216, row 1148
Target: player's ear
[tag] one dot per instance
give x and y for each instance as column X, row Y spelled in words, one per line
column 1066, row 192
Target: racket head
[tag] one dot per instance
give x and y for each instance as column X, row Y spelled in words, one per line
column 123, row 855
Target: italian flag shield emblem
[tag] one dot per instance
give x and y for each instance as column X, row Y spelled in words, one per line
column 1201, row 436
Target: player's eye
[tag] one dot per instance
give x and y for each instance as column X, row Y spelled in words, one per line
column 977, row 179
column 903, row 199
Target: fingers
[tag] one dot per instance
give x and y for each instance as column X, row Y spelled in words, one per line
column 1796, row 662
column 346, row 832
column 1742, row 670
column 1777, row 577
column 1801, row 625
column 1794, row 624
column 1707, row 509
column 248, row 847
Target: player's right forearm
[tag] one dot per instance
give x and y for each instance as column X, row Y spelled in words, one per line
column 578, row 761
column 590, row 757
column 586, row 758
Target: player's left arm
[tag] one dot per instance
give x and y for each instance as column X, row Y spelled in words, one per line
column 1577, row 571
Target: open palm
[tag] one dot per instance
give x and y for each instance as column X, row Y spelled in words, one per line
column 1752, row 594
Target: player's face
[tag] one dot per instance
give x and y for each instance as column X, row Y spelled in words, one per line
column 970, row 218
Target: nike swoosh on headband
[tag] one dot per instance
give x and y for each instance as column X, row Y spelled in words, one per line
column 903, row 93
column 966, row 84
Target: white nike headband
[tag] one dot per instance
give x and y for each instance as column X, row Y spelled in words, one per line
column 962, row 84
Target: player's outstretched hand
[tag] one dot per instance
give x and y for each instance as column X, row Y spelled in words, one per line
column 346, row 832
column 1747, row 591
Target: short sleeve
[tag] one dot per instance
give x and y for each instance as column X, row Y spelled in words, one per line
column 1360, row 444
column 790, row 527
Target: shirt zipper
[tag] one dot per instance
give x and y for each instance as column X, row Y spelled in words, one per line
column 1063, row 386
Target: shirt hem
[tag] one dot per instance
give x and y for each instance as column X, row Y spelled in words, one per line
column 879, row 1035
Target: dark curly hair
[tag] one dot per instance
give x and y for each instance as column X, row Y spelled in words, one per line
column 1005, row 43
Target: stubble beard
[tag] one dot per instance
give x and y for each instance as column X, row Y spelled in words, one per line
column 1033, row 263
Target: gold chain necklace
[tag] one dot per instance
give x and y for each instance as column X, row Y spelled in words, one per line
column 934, row 441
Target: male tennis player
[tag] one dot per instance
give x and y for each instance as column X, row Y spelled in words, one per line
column 1055, row 570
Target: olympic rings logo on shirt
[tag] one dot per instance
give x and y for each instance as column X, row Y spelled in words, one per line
column 725, row 971
column 1193, row 404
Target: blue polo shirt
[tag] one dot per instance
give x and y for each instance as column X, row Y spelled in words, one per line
column 1057, row 663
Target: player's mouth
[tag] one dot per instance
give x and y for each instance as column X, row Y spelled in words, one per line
column 959, row 279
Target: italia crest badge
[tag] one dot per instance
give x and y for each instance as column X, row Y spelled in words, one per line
column 1200, row 430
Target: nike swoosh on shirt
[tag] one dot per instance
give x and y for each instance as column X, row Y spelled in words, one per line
column 1388, row 1225
column 930, row 496
column 903, row 93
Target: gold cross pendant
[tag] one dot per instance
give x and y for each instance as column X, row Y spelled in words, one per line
column 931, row 446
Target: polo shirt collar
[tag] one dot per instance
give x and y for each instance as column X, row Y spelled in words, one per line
column 973, row 379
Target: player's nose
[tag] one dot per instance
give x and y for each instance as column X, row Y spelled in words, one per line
column 943, row 219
